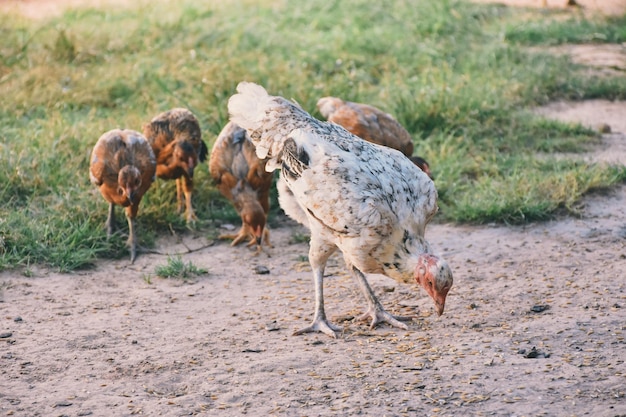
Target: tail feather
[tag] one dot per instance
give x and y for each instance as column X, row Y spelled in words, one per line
column 269, row 120
column 247, row 107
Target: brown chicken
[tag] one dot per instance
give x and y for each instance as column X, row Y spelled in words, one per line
column 241, row 177
column 371, row 124
column 177, row 143
column 123, row 167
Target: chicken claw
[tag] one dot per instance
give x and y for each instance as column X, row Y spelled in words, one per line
column 379, row 315
column 375, row 309
column 321, row 324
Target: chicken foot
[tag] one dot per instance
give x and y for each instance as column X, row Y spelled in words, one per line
column 317, row 258
column 245, row 233
column 375, row 310
column 320, row 322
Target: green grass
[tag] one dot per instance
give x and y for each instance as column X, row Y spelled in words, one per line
column 573, row 30
column 177, row 268
column 457, row 75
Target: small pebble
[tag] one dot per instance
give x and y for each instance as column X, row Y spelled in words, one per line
column 5, row 335
column 539, row 308
column 533, row 353
column 272, row 326
column 261, row 270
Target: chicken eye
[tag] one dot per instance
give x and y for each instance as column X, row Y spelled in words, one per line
column 120, row 191
column 137, row 182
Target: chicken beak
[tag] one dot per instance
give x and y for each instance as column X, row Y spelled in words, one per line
column 440, row 303
column 191, row 166
column 258, row 235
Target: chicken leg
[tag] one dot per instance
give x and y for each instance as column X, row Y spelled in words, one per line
column 375, row 310
column 184, row 188
column 131, row 212
column 318, row 255
column 110, row 223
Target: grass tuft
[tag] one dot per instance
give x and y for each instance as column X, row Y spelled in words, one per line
column 177, row 268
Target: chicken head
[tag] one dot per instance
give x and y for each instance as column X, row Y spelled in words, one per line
column 435, row 276
column 186, row 156
column 129, row 181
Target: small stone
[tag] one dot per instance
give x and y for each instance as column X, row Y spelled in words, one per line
column 261, row 270
column 532, row 354
column 539, row 308
column 5, row 335
column 272, row 326
column 17, row 319
column 604, row 128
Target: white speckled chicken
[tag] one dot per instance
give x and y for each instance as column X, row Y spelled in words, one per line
column 369, row 201
column 123, row 167
column 177, row 143
column 371, row 124
column 241, row 177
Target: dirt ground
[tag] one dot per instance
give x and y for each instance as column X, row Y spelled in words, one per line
column 534, row 325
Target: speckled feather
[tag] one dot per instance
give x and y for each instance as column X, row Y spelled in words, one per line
column 368, row 200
